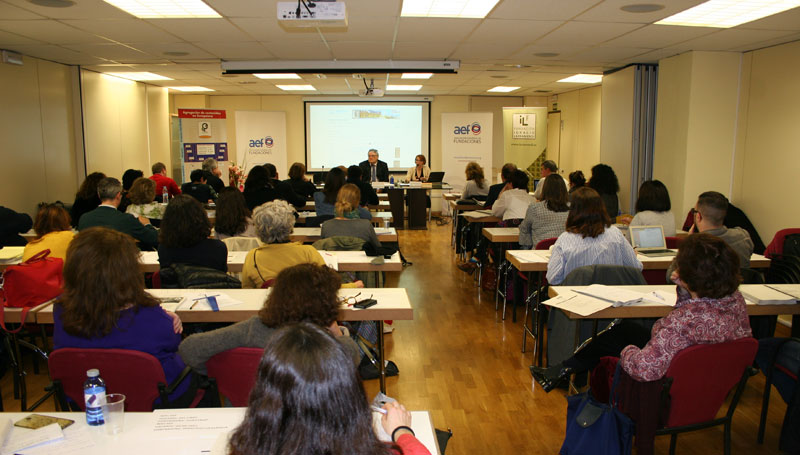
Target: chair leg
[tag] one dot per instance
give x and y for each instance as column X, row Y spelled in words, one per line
column 764, row 407
column 727, row 437
column 673, row 441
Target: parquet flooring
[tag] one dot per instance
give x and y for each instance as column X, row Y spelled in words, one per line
column 461, row 362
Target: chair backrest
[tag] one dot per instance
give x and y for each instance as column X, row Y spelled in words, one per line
column 235, row 372
column 135, row 374
column 545, row 244
column 702, row 375
column 613, row 275
column 672, row 242
column 241, row 243
column 316, row 221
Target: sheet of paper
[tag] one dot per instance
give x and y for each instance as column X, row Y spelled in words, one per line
column 223, row 300
column 383, row 231
column 791, row 289
column 148, row 257
column 10, row 253
column 21, row 440
column 532, row 255
column 76, row 441
column 577, row 303
column 330, row 260
column 170, row 423
column 617, row 296
column 766, row 295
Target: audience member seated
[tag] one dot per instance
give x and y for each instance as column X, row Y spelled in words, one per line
column 709, row 310
column 53, row 232
column 274, row 222
column 514, row 200
column 105, row 305
column 110, row 191
column 212, row 173
column 325, row 200
column 86, row 199
column 653, row 207
column 589, row 239
column 604, row 181
column 476, row 185
column 284, row 189
column 198, row 188
column 12, row 224
column 347, row 222
column 128, row 177
column 142, row 201
column 309, row 399
column 548, row 167
column 233, row 216
column 734, row 217
column 184, row 237
column 259, row 188
column 420, row 172
column 545, row 219
column 297, row 180
column 160, row 177
column 576, row 180
column 496, row 189
column 301, row 293
column 368, row 194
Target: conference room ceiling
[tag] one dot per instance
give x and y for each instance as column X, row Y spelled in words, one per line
column 586, row 36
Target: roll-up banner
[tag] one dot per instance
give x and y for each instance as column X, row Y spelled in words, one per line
column 203, row 135
column 261, row 138
column 466, row 137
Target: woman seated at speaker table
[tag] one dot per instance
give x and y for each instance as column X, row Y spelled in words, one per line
column 347, row 221
column 476, row 186
column 709, row 310
column 308, row 399
column 184, row 236
column 420, row 172
column 514, row 200
column 297, row 180
column 325, row 200
column 590, row 239
column 301, row 293
column 653, row 207
column 53, row 232
column 142, row 197
column 546, row 219
column 233, row 216
column 105, row 305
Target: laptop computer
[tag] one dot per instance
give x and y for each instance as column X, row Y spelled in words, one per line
column 649, row 241
column 436, row 177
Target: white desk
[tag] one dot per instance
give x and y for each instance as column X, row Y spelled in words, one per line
column 207, row 434
column 312, row 234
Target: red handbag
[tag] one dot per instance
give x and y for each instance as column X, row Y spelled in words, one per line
column 31, row 283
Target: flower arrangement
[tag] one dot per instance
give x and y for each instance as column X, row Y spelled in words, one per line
column 236, row 175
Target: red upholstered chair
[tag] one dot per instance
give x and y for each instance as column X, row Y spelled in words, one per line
column 138, row 375
column 235, row 371
column 702, row 375
column 672, row 242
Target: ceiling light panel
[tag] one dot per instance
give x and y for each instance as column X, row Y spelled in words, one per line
column 583, row 79
column 474, row 9
column 502, row 89
column 728, row 13
column 276, row 75
column 140, row 76
column 297, row 87
column 416, row 76
column 159, row 9
column 400, row 88
column 191, row 89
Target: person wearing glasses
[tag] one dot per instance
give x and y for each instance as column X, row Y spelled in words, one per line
column 373, row 169
column 301, row 293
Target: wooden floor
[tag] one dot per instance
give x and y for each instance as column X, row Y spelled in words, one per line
column 461, row 362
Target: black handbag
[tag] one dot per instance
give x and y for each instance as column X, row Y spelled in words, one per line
column 368, row 368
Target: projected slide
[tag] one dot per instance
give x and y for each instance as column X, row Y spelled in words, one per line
column 342, row 133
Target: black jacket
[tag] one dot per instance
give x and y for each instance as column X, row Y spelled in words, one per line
column 368, row 194
column 381, row 171
column 11, row 225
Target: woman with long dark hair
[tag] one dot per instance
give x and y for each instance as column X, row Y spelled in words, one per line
column 324, row 200
column 547, row 218
column 233, row 216
column 604, row 181
column 308, row 399
column 86, row 199
column 184, row 236
column 653, row 207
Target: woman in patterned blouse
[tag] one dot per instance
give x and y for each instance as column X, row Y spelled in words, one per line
column 709, row 310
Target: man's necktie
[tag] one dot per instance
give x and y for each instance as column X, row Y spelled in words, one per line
column 374, row 177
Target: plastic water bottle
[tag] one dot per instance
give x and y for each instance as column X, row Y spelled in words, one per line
column 94, row 394
column 165, row 195
column 391, row 180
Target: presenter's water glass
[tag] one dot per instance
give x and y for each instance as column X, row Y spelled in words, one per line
column 114, row 413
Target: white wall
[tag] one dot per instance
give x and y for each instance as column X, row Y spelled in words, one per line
column 616, row 129
column 580, row 134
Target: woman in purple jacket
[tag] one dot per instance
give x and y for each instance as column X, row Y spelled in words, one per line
column 105, row 305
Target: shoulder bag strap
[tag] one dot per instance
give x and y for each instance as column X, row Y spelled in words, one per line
column 255, row 263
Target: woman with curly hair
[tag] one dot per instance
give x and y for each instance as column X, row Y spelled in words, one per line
column 233, row 216
column 86, row 199
column 301, row 293
column 53, row 232
column 476, row 183
column 604, row 181
column 709, row 310
column 308, row 400
column 142, row 195
column 184, row 236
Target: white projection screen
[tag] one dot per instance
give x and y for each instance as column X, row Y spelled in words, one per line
column 342, row 132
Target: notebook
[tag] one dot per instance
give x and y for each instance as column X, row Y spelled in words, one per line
column 649, row 241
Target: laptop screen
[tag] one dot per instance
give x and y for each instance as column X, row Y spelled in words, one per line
column 647, row 237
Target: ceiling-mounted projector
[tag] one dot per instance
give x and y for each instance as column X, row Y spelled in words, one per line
column 370, row 90
column 304, row 13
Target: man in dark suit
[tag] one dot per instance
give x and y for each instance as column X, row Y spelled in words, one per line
column 198, row 188
column 110, row 191
column 374, row 170
column 494, row 190
column 212, row 173
column 368, row 195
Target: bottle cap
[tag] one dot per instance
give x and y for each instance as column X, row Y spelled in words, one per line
column 93, row 373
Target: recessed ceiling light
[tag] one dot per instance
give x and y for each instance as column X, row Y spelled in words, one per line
column 642, row 8
column 140, row 76
column 416, row 76
column 476, row 9
column 188, row 88
column 276, row 75
column 502, row 89
column 159, row 9
column 406, row 88
column 176, row 53
column 583, row 79
column 53, row 3
column 546, row 54
column 296, row 87
column 728, row 13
